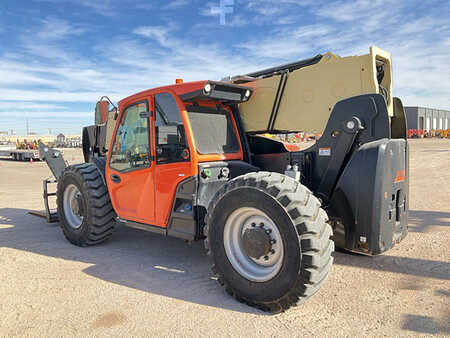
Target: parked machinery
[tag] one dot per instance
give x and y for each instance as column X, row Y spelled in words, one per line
column 186, row 160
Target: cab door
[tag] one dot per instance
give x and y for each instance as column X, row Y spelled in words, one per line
column 130, row 168
column 173, row 153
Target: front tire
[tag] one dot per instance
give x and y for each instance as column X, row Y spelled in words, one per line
column 285, row 263
column 85, row 212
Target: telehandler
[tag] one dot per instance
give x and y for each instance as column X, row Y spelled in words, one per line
column 187, row 160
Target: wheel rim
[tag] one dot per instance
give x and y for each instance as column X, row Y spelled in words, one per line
column 73, row 206
column 254, row 269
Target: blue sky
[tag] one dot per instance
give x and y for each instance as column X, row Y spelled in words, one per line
column 58, row 57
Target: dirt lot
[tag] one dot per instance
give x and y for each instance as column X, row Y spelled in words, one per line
column 140, row 284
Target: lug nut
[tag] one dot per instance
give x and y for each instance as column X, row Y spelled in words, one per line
column 273, row 241
column 253, row 224
column 268, row 231
column 272, row 251
column 261, row 225
column 266, row 258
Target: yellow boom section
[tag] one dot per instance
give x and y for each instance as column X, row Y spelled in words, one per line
column 311, row 92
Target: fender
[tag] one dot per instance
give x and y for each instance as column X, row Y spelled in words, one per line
column 100, row 163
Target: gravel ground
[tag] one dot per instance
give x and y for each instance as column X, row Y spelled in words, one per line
column 139, row 283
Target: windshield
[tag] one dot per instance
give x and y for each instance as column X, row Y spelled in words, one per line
column 213, row 130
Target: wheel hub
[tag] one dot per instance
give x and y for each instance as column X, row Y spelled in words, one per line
column 76, row 204
column 253, row 244
column 73, row 206
column 256, row 242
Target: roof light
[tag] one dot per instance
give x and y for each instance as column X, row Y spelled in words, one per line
column 179, row 81
column 207, row 88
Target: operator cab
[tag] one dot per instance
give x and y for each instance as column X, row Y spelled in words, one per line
column 183, row 137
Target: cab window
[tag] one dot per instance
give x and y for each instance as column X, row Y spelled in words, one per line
column 131, row 148
column 171, row 145
column 213, row 130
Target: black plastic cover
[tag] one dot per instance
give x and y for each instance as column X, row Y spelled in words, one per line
column 220, row 91
column 183, row 221
column 370, row 197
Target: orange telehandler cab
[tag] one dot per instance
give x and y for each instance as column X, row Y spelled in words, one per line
column 186, row 161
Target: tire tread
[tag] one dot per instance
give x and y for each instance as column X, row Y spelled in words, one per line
column 314, row 235
column 102, row 214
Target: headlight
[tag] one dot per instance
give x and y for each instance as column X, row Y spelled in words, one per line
column 207, row 88
column 247, row 93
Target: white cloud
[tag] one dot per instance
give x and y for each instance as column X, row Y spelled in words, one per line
column 277, row 4
column 159, row 33
column 175, row 4
column 47, row 114
column 210, row 9
column 267, row 9
column 51, row 95
column 102, row 7
column 358, row 9
column 47, row 40
column 11, row 76
column 32, row 106
column 288, row 44
column 56, row 29
column 286, row 20
column 259, row 12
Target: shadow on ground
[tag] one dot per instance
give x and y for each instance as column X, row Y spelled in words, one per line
column 421, row 221
column 132, row 258
column 404, row 265
column 424, row 325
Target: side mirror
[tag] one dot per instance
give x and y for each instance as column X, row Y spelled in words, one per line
column 145, row 114
column 101, row 112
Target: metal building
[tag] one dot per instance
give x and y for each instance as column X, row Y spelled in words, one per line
column 427, row 118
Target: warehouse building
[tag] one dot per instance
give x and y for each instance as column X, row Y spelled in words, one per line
column 427, row 118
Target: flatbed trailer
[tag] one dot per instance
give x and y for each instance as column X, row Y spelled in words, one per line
column 20, row 154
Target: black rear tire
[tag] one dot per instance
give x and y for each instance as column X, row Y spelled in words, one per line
column 98, row 216
column 303, row 227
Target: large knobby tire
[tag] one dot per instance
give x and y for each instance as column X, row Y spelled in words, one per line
column 295, row 215
column 82, row 189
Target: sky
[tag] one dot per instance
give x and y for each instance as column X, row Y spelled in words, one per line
column 58, row 57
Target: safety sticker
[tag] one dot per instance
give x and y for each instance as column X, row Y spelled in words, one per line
column 324, row 151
